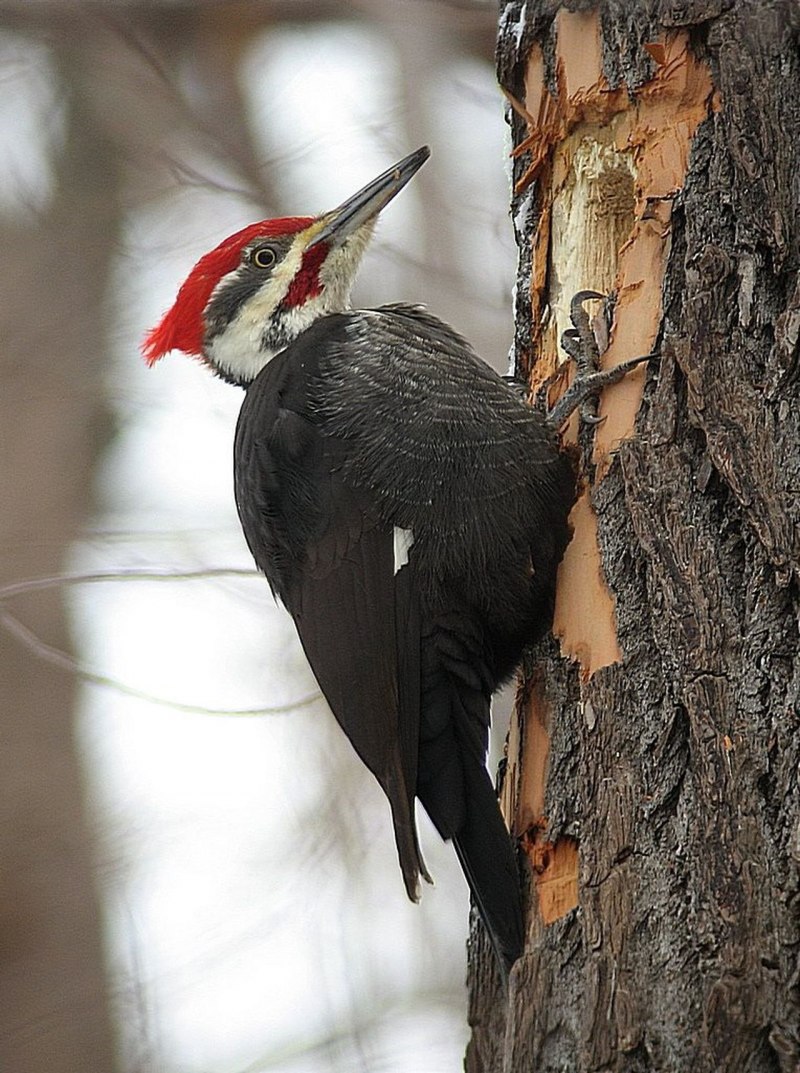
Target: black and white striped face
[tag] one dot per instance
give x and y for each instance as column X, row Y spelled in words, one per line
column 278, row 289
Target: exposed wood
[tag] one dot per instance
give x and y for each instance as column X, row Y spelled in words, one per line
column 671, row 766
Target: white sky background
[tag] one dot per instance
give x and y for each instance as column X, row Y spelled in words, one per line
column 254, row 901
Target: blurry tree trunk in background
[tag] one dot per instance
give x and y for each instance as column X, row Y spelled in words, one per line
column 653, row 767
column 54, row 1012
column 54, row 1015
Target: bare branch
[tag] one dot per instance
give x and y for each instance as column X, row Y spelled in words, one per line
column 59, row 658
column 37, row 584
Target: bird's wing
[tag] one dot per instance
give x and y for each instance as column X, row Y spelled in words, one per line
column 331, row 560
column 360, row 630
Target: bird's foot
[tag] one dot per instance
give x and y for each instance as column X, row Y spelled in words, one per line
column 581, row 346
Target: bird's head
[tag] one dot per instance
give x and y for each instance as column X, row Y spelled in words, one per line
column 258, row 290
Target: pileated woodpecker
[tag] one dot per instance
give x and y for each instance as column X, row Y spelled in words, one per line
column 406, row 505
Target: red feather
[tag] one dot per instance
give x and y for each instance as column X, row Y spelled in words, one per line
column 181, row 328
column 306, row 284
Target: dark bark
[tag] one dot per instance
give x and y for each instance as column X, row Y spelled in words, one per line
column 676, row 769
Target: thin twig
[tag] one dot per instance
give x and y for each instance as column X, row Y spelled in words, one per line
column 37, row 584
column 59, row 658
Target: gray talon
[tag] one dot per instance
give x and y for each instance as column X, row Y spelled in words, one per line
column 580, row 345
column 591, row 419
column 576, row 310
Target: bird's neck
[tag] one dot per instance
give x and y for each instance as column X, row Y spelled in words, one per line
column 247, row 345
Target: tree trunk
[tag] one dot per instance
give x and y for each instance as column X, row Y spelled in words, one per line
column 54, row 1011
column 653, row 760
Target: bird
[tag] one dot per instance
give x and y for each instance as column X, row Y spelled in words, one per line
column 406, row 504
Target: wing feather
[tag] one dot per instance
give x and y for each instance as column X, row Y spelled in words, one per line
column 361, row 637
column 331, row 560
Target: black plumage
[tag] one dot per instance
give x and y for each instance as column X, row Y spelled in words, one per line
column 373, row 421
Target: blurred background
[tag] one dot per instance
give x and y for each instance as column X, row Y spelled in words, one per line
column 196, row 874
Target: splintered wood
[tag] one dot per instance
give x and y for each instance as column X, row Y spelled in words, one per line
column 607, row 167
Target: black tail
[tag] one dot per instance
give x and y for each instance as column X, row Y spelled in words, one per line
column 454, row 785
column 486, row 854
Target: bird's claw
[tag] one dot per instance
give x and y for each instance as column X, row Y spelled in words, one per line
column 580, row 345
column 576, row 310
column 589, row 418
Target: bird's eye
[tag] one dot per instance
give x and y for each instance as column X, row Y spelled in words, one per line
column 263, row 257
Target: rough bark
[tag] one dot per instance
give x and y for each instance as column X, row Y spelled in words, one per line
column 672, row 768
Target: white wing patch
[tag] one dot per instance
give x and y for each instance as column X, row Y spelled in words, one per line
column 403, row 539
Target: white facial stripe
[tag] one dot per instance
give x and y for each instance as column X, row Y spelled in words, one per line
column 240, row 350
column 237, row 349
column 403, row 539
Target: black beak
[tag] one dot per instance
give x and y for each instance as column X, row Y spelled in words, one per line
column 369, row 201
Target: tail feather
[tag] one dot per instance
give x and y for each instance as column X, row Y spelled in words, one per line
column 406, row 838
column 456, row 791
column 486, row 854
